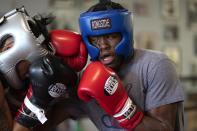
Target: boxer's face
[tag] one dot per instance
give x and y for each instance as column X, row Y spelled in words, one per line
column 106, row 44
column 22, row 66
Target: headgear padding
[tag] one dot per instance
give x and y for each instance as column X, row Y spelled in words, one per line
column 106, row 22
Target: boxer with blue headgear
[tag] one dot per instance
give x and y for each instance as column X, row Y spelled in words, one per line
column 96, row 23
column 132, row 88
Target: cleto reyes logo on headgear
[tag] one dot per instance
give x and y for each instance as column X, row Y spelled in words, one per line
column 102, row 23
column 57, row 90
column 111, row 86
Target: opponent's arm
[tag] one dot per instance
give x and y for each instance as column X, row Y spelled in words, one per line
column 6, row 121
column 5, row 115
column 19, row 127
column 70, row 49
column 50, row 80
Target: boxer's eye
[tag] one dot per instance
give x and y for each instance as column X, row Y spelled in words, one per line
column 93, row 40
column 108, row 38
column 6, row 43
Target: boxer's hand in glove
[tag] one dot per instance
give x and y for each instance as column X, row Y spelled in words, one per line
column 50, row 80
column 103, row 84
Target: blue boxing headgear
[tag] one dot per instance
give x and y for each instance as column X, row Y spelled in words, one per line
column 105, row 22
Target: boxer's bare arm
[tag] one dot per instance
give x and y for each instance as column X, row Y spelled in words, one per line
column 18, row 127
column 6, row 121
column 159, row 119
column 5, row 115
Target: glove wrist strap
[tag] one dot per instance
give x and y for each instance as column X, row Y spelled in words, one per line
column 39, row 112
column 129, row 116
column 127, row 111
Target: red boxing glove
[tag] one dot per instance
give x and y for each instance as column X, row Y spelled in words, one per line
column 101, row 83
column 70, row 47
